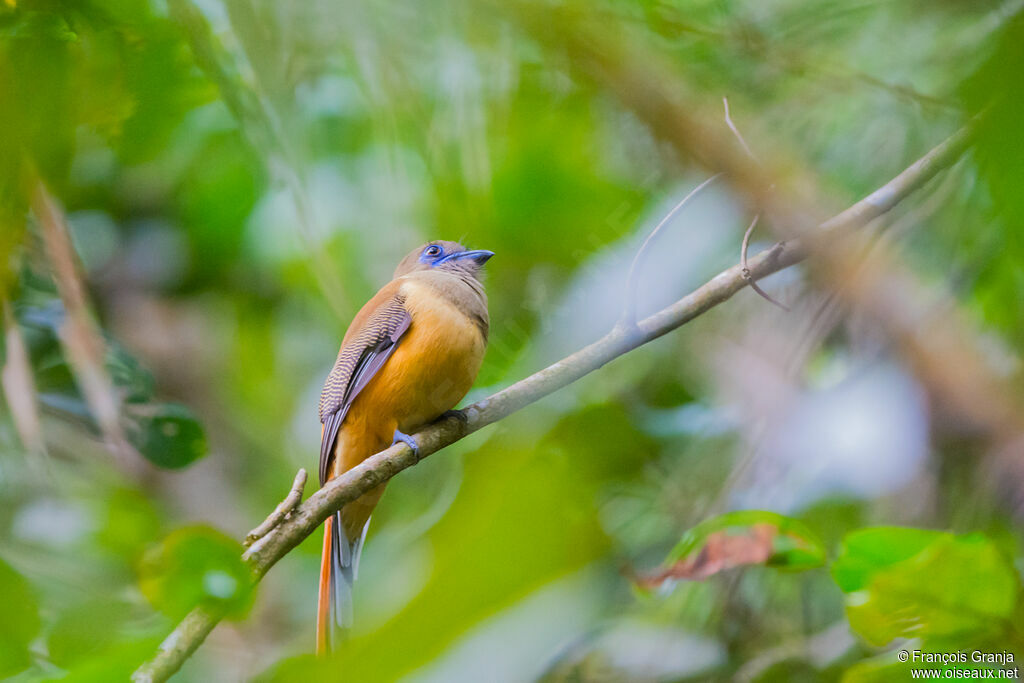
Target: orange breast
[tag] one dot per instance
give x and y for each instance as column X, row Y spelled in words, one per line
column 434, row 365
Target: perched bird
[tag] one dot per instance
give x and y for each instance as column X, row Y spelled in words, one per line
column 409, row 356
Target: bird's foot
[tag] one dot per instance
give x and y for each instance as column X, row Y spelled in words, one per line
column 408, row 441
column 459, row 415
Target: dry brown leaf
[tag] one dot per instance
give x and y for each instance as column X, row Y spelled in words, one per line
column 723, row 550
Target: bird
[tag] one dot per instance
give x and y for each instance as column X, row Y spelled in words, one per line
column 411, row 353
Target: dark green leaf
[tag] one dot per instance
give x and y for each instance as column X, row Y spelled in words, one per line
column 167, row 434
column 128, row 375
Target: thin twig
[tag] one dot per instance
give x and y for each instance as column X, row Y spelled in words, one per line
column 629, row 313
column 746, row 236
column 736, row 132
column 746, row 271
column 377, row 469
column 281, row 512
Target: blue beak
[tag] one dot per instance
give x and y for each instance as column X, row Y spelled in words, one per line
column 479, row 255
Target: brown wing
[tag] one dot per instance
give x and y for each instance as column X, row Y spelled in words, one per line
column 369, row 342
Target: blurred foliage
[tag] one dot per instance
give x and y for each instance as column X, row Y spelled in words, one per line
column 993, row 93
column 196, row 566
column 923, row 587
column 167, row 434
column 21, row 621
column 240, row 175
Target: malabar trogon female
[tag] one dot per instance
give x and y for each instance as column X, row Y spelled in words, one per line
column 409, row 356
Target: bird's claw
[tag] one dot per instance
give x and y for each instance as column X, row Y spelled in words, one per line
column 408, row 441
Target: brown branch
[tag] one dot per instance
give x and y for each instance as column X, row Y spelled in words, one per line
column 19, row 385
column 78, row 333
column 281, row 512
column 377, row 469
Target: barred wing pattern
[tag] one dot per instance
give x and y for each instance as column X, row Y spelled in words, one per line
column 358, row 361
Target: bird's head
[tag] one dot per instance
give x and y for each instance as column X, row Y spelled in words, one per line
column 445, row 256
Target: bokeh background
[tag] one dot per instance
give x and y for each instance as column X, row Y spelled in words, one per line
column 196, row 197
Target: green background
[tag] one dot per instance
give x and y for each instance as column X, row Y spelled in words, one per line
column 240, row 176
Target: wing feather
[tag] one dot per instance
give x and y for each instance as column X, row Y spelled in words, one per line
column 362, row 355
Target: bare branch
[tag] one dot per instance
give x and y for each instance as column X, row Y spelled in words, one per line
column 281, row 512
column 377, row 469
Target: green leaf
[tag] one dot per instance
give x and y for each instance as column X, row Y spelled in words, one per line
column 128, row 375
column 951, row 587
column 167, row 434
column 130, row 524
column 75, row 638
column 866, row 551
column 20, row 621
column 301, row 668
column 194, row 566
column 993, row 93
column 114, row 664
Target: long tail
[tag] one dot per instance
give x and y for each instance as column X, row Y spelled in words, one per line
column 339, row 566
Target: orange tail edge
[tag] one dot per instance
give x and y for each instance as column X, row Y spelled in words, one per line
column 323, row 612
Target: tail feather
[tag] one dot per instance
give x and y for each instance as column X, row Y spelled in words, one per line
column 343, row 576
column 339, row 566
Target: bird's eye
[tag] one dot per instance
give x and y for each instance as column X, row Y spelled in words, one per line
column 432, row 250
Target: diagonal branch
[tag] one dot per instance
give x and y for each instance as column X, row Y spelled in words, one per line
column 926, row 328
column 78, row 333
column 306, row 518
